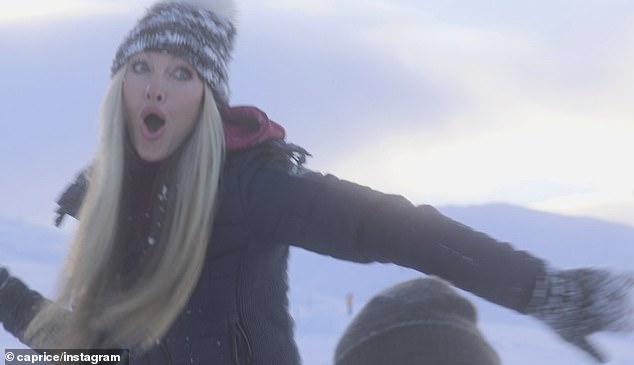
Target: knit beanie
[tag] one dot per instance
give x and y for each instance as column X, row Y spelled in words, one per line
column 201, row 32
column 418, row 322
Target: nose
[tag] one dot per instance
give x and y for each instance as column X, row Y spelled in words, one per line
column 154, row 92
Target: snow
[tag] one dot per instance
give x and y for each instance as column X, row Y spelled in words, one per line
column 319, row 285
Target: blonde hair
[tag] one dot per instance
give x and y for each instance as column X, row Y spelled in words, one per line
column 102, row 313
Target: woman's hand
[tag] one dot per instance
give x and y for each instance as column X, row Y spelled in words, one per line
column 577, row 303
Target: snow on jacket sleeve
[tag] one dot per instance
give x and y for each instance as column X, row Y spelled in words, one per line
column 291, row 205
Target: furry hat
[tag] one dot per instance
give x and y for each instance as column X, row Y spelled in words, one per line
column 201, row 32
column 418, row 322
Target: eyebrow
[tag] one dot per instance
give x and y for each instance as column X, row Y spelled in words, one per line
column 173, row 58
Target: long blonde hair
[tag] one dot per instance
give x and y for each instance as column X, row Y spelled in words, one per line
column 103, row 315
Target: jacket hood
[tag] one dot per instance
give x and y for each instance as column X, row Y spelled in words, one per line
column 248, row 126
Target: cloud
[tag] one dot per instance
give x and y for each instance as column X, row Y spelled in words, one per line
column 55, row 77
column 29, row 10
column 444, row 102
column 318, row 8
column 530, row 108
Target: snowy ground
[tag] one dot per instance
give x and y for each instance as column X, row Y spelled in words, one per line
column 319, row 286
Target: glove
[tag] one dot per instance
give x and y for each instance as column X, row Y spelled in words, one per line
column 18, row 304
column 4, row 280
column 70, row 201
column 4, row 277
column 577, row 303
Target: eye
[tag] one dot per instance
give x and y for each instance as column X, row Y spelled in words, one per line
column 140, row 66
column 183, row 73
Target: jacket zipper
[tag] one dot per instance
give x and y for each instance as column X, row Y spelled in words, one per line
column 240, row 337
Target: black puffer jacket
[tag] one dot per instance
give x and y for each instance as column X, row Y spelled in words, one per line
column 238, row 313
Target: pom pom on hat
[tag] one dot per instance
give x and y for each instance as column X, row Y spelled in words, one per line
column 200, row 32
column 222, row 8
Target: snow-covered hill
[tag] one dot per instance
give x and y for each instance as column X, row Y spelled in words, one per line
column 319, row 285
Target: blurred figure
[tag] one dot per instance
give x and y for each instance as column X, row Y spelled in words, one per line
column 417, row 322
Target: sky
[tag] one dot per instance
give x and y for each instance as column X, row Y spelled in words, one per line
column 446, row 103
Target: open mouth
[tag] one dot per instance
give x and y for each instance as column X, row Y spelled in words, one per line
column 153, row 122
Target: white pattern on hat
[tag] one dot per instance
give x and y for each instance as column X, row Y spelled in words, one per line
column 201, row 32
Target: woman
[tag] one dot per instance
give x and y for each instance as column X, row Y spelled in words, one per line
column 189, row 208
